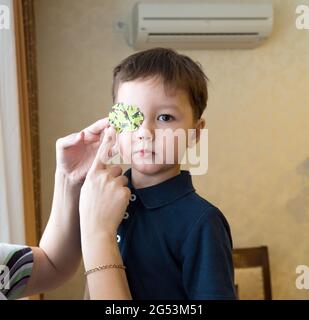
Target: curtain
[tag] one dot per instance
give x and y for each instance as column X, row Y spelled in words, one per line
column 12, row 225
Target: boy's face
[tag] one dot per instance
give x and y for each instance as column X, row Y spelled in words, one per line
column 148, row 153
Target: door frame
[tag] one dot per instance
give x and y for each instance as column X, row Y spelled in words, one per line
column 25, row 42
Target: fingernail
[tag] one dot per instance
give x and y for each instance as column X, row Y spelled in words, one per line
column 79, row 135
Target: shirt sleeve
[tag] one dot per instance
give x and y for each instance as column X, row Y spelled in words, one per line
column 208, row 272
column 16, row 263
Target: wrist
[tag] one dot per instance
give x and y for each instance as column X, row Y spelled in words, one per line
column 61, row 175
column 97, row 247
column 66, row 195
column 98, row 238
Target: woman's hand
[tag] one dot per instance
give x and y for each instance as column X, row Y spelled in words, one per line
column 104, row 195
column 76, row 152
column 103, row 200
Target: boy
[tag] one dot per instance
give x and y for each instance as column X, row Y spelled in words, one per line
column 175, row 244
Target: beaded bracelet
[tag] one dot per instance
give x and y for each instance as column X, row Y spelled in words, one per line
column 121, row 266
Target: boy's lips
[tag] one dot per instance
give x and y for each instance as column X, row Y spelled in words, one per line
column 144, row 151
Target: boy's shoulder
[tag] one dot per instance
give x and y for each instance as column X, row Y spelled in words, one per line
column 199, row 206
column 197, row 212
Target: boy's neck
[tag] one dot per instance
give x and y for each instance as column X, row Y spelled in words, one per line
column 141, row 180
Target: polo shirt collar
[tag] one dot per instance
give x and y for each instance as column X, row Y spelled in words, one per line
column 165, row 192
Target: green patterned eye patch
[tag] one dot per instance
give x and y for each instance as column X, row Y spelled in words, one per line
column 125, row 118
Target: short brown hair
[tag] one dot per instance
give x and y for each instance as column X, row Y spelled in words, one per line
column 177, row 71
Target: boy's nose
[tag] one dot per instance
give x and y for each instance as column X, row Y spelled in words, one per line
column 145, row 132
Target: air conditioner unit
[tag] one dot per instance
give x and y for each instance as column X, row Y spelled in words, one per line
column 201, row 25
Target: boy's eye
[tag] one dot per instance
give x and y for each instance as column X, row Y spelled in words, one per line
column 165, row 117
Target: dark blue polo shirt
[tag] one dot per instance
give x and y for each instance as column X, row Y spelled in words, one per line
column 175, row 244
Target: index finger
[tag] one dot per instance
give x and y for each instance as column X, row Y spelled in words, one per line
column 103, row 155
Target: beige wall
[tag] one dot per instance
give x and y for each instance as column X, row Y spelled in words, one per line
column 257, row 119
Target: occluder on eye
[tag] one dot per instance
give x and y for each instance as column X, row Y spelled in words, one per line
column 125, row 118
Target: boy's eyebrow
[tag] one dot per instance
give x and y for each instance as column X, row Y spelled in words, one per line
column 168, row 106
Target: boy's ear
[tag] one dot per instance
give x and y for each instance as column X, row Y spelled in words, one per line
column 194, row 135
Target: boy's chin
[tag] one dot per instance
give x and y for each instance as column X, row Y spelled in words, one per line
column 151, row 169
